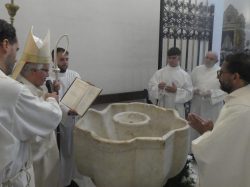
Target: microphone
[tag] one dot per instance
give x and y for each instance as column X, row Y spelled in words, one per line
column 49, row 86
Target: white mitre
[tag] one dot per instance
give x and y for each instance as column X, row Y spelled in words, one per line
column 35, row 51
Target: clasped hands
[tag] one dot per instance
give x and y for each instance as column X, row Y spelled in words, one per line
column 204, row 93
column 164, row 86
column 199, row 124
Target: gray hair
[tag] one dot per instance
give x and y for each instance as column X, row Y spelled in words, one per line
column 28, row 67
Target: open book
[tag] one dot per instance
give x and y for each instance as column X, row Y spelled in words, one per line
column 80, row 96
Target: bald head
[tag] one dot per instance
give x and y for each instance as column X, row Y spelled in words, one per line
column 211, row 58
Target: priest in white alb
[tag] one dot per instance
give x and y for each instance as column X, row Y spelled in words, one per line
column 222, row 151
column 66, row 76
column 171, row 86
column 208, row 98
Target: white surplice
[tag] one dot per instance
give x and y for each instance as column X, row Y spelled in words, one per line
column 223, row 154
column 208, row 107
column 166, row 99
column 67, row 168
column 205, row 79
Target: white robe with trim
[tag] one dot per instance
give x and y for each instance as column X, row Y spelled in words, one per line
column 223, row 154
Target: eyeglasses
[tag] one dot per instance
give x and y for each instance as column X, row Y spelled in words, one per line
column 220, row 72
column 42, row 70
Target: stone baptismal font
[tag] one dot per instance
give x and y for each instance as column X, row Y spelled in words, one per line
column 131, row 145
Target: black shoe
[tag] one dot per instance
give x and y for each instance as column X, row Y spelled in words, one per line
column 73, row 184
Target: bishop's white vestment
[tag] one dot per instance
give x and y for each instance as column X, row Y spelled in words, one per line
column 166, row 99
column 22, row 116
column 223, row 154
column 45, row 153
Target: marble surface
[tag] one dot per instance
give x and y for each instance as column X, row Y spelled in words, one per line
column 131, row 145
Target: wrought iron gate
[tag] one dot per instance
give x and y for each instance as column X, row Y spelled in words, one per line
column 188, row 26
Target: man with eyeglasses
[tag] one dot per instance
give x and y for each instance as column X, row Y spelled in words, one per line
column 32, row 71
column 222, row 151
column 208, row 98
column 171, row 86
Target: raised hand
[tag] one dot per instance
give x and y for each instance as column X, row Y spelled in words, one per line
column 199, row 124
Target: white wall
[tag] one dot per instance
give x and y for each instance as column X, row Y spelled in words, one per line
column 113, row 43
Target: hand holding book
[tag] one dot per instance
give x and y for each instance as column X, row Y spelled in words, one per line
column 80, row 96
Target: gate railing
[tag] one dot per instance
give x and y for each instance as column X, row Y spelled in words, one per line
column 186, row 25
